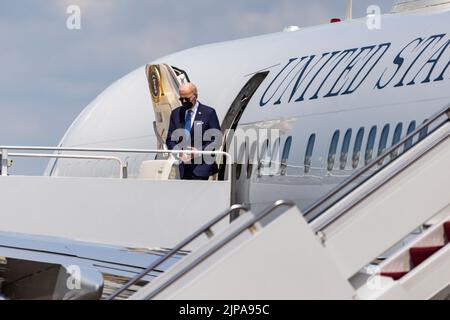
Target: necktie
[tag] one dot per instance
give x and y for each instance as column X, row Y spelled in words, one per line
column 187, row 124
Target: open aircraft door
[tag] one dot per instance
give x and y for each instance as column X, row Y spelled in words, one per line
column 164, row 82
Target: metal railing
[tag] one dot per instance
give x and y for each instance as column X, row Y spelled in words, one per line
column 5, row 165
column 219, row 245
column 206, row 229
column 5, row 154
column 331, row 198
column 323, row 204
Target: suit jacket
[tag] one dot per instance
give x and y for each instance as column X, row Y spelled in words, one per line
column 205, row 117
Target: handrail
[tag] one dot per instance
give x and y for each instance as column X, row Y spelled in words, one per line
column 318, row 204
column 158, row 136
column 5, row 150
column 322, row 222
column 221, row 244
column 310, row 213
column 204, row 229
column 122, row 165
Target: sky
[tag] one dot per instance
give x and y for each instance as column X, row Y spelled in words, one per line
column 49, row 73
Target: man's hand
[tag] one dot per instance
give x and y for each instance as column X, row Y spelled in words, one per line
column 193, row 150
column 185, row 157
column 188, row 157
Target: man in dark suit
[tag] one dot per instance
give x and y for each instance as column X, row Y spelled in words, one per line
column 188, row 125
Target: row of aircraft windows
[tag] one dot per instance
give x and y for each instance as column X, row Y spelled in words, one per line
column 370, row 144
column 369, row 152
column 266, row 157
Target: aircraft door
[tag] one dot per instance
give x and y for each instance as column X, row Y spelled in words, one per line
column 164, row 82
column 244, row 166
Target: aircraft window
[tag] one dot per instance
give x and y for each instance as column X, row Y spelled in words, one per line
column 357, row 148
column 396, row 139
column 264, row 150
column 309, row 152
column 251, row 159
column 424, row 132
column 345, row 148
column 332, row 151
column 285, row 155
column 383, row 140
column 264, row 157
column 370, row 144
column 275, row 156
column 411, row 128
column 240, row 160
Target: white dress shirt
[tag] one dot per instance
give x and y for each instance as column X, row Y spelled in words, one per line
column 194, row 113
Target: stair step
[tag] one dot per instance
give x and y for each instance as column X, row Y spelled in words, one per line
column 394, row 275
column 447, row 230
column 419, row 255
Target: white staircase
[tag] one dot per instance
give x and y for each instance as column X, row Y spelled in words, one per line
column 325, row 252
column 419, row 271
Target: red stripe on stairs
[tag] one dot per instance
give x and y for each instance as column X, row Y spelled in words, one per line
column 394, row 275
column 447, row 230
column 419, row 255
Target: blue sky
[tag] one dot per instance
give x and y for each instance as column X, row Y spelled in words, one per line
column 49, row 73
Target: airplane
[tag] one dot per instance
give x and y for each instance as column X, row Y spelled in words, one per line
column 303, row 109
column 383, row 79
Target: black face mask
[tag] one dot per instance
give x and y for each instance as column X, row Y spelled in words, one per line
column 186, row 103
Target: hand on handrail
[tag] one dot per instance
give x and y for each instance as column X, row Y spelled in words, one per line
column 187, row 157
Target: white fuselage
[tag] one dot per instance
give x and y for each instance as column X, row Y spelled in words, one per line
column 323, row 81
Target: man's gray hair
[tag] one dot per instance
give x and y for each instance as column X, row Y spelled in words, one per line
column 195, row 90
column 191, row 87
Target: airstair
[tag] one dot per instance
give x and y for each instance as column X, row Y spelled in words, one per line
column 417, row 270
column 116, row 210
column 382, row 234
